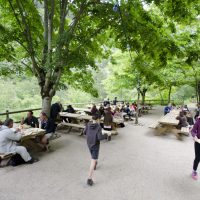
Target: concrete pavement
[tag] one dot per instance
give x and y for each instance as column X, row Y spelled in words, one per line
column 134, row 165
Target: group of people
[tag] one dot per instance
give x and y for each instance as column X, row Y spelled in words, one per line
column 10, row 138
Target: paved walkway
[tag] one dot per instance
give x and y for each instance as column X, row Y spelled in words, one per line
column 134, row 165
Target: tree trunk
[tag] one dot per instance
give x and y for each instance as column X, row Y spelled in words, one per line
column 169, row 94
column 46, row 105
column 137, row 110
column 143, row 94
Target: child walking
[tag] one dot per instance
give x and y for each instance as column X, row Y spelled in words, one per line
column 196, row 136
column 93, row 132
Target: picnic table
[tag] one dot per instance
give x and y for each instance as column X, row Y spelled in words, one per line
column 78, row 118
column 86, row 110
column 168, row 123
column 86, row 117
column 31, row 133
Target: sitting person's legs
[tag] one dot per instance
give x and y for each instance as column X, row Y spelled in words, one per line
column 23, row 153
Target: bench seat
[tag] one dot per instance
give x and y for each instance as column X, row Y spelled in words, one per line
column 185, row 131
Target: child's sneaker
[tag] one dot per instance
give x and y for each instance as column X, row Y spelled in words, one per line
column 90, row 182
column 194, row 175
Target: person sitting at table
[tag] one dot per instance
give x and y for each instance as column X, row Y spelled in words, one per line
column 185, row 108
column 95, row 111
column 8, row 142
column 108, row 119
column 128, row 111
column 48, row 125
column 182, row 120
column 101, row 110
column 189, row 118
column 30, row 120
column 167, row 109
column 69, row 109
column 106, row 102
column 119, row 115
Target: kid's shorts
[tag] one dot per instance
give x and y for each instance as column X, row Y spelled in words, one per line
column 94, row 151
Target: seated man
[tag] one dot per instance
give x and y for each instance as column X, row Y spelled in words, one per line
column 48, row 125
column 69, row 109
column 8, row 142
column 30, row 120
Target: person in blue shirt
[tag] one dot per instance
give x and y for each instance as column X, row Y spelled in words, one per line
column 167, row 109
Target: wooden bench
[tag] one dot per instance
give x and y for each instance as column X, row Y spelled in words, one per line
column 154, row 125
column 145, row 111
column 71, row 125
column 185, row 131
column 4, row 156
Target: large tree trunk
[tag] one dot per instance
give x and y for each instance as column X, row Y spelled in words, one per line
column 46, row 104
column 143, row 94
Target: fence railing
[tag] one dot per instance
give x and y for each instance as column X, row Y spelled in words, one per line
column 149, row 101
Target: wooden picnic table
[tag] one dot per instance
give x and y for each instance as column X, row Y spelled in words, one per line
column 168, row 123
column 86, row 117
column 31, row 133
column 86, row 110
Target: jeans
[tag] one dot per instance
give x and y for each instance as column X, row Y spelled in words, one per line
column 197, row 155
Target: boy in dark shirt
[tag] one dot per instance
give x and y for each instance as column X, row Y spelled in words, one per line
column 93, row 132
column 30, row 120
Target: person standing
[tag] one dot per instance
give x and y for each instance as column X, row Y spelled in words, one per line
column 196, row 136
column 93, row 132
column 56, row 108
column 115, row 101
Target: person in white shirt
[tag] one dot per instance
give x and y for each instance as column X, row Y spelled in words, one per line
column 8, row 142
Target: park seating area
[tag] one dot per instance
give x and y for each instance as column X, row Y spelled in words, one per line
column 78, row 121
column 168, row 124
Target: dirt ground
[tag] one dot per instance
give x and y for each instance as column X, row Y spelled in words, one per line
column 136, row 164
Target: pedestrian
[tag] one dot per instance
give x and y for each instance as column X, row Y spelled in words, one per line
column 93, row 132
column 196, row 136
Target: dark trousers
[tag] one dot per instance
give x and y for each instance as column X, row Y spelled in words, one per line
column 197, row 155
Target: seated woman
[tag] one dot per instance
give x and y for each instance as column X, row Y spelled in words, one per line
column 182, row 120
column 119, row 115
column 30, row 120
column 48, row 125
